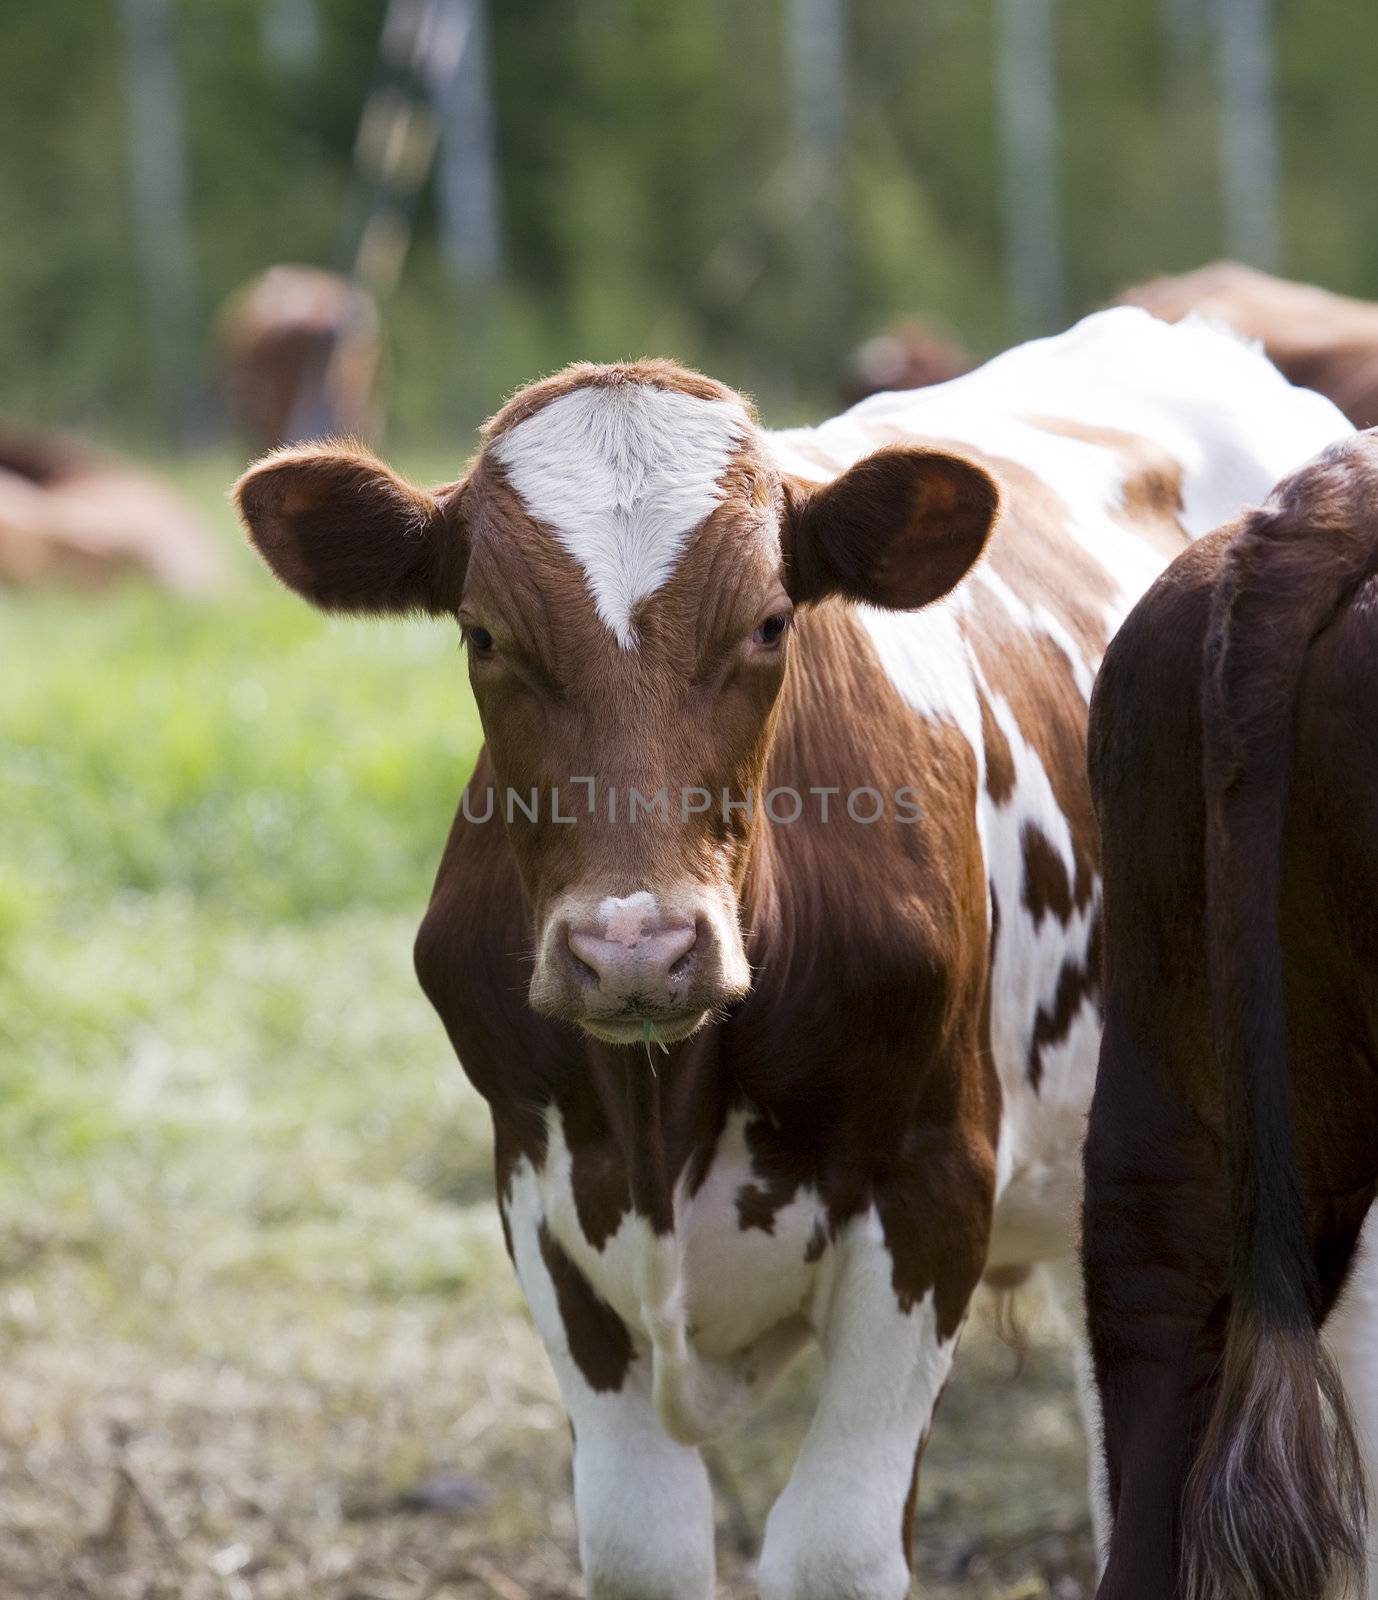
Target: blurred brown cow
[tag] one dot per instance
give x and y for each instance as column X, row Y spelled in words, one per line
column 69, row 515
column 1320, row 340
column 906, row 355
column 302, row 352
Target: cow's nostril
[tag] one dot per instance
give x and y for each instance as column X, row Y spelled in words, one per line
column 680, row 969
column 681, row 964
column 586, row 974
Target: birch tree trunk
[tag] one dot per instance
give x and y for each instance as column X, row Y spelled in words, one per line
column 1026, row 98
column 158, row 187
column 818, row 99
column 467, row 179
column 1248, row 130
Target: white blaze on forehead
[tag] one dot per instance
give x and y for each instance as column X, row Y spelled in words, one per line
column 623, row 473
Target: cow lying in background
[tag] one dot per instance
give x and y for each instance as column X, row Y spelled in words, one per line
column 845, row 670
column 1321, row 340
column 69, row 515
column 1233, row 1145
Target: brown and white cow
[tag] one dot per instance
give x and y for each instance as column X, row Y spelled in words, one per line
column 1232, row 1153
column 876, row 983
column 1324, row 341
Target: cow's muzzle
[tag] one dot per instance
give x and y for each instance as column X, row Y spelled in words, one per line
column 624, row 962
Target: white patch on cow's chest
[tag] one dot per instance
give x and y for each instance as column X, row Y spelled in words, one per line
column 623, row 474
column 737, row 1283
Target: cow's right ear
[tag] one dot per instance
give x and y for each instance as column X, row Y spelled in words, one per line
column 898, row 529
column 348, row 534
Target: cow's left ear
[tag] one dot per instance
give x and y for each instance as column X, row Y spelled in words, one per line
column 899, row 529
column 348, row 534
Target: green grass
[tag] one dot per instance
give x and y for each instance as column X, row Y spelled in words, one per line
column 249, row 1261
column 219, row 827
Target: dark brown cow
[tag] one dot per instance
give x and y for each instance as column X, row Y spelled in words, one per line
column 72, row 516
column 1321, row 340
column 1233, row 1146
column 302, row 351
column 836, row 855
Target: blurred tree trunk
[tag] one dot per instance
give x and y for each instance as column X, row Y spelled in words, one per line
column 1026, row 97
column 1248, row 130
column 467, row 179
column 291, row 32
column 158, row 184
column 818, row 98
column 1184, row 24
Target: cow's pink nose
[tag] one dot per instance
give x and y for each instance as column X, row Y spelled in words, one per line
column 646, row 965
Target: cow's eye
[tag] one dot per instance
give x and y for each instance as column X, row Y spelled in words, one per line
column 769, row 634
column 479, row 639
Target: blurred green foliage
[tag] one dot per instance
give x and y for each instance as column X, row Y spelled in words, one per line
column 650, row 186
column 219, row 825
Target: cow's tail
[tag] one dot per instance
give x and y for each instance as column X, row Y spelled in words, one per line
column 1274, row 1507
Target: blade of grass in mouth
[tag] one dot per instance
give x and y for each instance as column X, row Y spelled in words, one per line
column 648, row 1037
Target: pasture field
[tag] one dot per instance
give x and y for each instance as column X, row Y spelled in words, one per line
column 258, row 1336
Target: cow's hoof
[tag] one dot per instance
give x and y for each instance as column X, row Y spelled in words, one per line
column 827, row 1554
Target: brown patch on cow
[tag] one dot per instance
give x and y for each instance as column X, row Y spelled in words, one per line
column 999, row 760
column 776, row 1178
column 1035, row 677
column 649, row 1173
column 1151, row 501
column 598, row 1338
column 756, row 1208
column 960, row 1171
column 1047, row 890
column 1077, row 982
column 597, row 1170
column 1046, row 565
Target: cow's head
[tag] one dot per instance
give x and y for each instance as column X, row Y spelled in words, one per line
column 624, row 561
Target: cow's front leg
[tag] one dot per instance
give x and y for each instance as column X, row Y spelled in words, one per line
column 840, row 1530
column 642, row 1502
